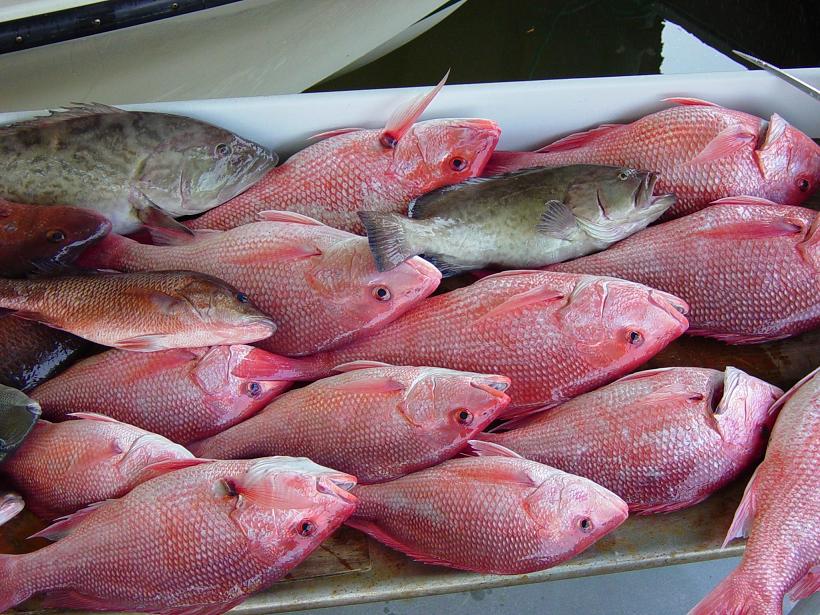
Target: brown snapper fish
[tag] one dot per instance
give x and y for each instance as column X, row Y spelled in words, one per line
column 133, row 167
column 140, row 311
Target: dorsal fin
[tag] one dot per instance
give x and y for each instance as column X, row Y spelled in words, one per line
column 539, row 294
column 690, row 102
column 64, row 525
column 482, row 448
column 579, row 139
column 69, row 112
column 367, row 385
column 404, row 117
column 351, row 366
column 275, row 215
column 334, row 133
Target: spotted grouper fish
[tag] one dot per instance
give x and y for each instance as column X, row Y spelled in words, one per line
column 779, row 514
column 703, row 152
column 355, row 169
column 196, row 539
column 133, row 167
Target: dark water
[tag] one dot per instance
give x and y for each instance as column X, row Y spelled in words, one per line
column 490, row 40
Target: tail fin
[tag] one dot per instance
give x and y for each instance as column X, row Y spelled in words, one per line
column 11, row 592
column 269, row 366
column 388, row 242
column 734, row 597
column 105, row 254
column 507, row 162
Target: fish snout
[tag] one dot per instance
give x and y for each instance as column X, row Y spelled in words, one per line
column 337, row 484
column 492, row 384
column 672, row 305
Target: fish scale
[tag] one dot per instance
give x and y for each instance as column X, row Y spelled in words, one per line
column 184, row 395
column 661, row 439
column 750, row 270
column 554, row 335
column 779, row 514
column 131, row 166
column 502, row 515
column 316, row 282
column 140, row 311
column 385, row 421
column 344, row 173
column 212, row 533
column 62, row 467
column 767, row 160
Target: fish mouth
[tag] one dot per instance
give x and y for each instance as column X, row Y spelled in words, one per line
column 494, row 386
column 672, row 305
column 338, row 484
column 423, row 268
column 262, row 321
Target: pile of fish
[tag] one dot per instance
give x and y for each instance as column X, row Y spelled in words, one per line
column 208, row 399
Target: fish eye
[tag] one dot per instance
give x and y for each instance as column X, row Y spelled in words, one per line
column 388, row 140
column 254, row 389
column 458, row 163
column 803, row 184
column 55, row 236
column 635, row 338
column 222, row 150
column 623, row 176
column 381, row 293
column 242, row 298
column 585, row 524
column 306, row 528
column 464, row 416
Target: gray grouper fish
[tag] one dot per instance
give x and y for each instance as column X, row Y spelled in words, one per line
column 134, row 167
column 520, row 220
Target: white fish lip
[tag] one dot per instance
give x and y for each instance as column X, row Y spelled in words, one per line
column 11, row 505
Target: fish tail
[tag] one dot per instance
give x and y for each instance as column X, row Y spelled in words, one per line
column 106, row 254
column 12, row 590
column 734, row 596
column 269, row 366
column 387, row 238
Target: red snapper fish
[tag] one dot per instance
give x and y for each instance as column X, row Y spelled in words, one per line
column 182, row 394
column 62, row 467
column 197, row 540
column 662, row 439
column 498, row 513
column 702, row 151
column 142, row 312
column 555, row 335
column 378, row 422
column 356, row 169
column 319, row 284
column 779, row 514
column 36, row 238
column 748, row 268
